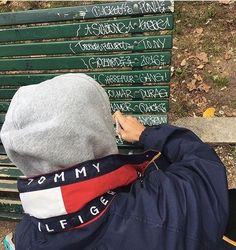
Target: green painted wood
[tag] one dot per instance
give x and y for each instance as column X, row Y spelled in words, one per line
column 5, row 162
column 104, row 78
column 7, row 93
column 152, row 120
column 111, row 27
column 2, row 118
column 91, row 46
column 86, row 12
column 140, row 107
column 2, row 150
column 142, row 93
column 88, row 62
column 10, row 216
column 8, row 186
column 10, row 172
column 8, row 205
column 117, row 93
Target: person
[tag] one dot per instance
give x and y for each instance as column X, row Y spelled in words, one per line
column 79, row 193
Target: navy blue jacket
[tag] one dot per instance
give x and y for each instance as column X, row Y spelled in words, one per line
column 180, row 202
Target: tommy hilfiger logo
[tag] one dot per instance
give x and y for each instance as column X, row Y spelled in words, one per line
column 60, row 177
column 92, row 211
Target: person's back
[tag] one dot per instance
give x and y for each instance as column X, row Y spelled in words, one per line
column 79, row 193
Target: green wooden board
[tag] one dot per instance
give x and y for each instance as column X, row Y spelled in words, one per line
column 111, row 27
column 10, row 172
column 88, row 62
column 2, row 118
column 85, row 12
column 10, row 216
column 142, row 93
column 118, row 93
column 104, row 78
column 140, row 107
column 91, row 46
column 2, row 150
column 7, row 93
column 10, row 206
column 5, row 162
column 8, row 186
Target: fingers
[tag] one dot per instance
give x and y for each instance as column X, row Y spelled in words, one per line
column 120, row 118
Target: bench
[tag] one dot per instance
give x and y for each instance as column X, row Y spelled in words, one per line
column 125, row 46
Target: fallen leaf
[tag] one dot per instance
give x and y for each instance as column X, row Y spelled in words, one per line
column 200, row 100
column 209, row 113
column 204, row 87
column 192, row 85
column 183, row 63
column 198, row 77
column 202, row 57
column 198, row 31
column 201, row 66
column 227, row 56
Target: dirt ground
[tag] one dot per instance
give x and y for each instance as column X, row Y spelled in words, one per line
column 204, row 63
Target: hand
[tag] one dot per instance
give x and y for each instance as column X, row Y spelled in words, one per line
column 130, row 128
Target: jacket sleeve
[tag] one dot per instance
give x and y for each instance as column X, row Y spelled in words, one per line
column 192, row 191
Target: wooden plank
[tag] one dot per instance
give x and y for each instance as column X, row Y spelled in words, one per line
column 152, row 120
column 10, row 205
column 2, row 118
column 10, row 216
column 8, row 186
column 10, row 173
column 111, row 27
column 143, row 107
column 86, row 12
column 140, row 107
column 104, row 78
column 88, row 62
column 5, row 161
column 117, row 93
column 7, row 93
column 141, row 93
column 91, row 46
column 2, row 150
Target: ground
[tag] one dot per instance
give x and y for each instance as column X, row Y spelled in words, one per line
column 203, row 63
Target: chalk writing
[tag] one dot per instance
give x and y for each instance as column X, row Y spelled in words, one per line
column 123, row 27
column 109, row 79
column 119, row 93
column 153, row 77
column 152, row 93
column 112, row 10
column 150, row 108
column 157, row 60
column 106, row 46
column 123, row 107
column 109, row 62
column 152, row 120
column 153, row 6
column 140, row 107
column 122, row 9
column 113, row 79
column 158, row 43
column 132, row 93
column 125, row 61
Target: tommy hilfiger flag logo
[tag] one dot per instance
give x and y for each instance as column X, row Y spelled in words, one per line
column 77, row 195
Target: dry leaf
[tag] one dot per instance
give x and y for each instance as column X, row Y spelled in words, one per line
column 198, row 31
column 227, row 56
column 209, row 113
column 200, row 100
column 201, row 66
column 183, row 63
column 202, row 57
column 198, row 77
column 192, row 85
column 204, row 87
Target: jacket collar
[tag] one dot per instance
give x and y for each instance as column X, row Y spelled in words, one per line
column 83, row 189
